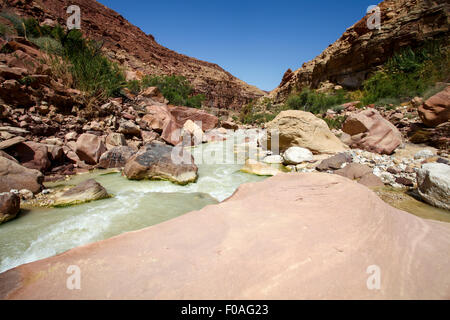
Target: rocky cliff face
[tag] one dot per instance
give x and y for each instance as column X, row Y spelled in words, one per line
column 359, row 51
column 138, row 52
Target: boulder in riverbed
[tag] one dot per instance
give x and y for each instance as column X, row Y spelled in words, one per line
column 183, row 114
column 157, row 161
column 436, row 110
column 15, row 176
column 296, row 155
column 159, row 119
column 117, row 157
column 335, row 162
column 302, row 129
column 192, row 134
column 87, row 191
column 274, row 159
column 31, row 155
column 362, row 173
column 90, row 147
column 258, row 168
column 115, row 140
column 9, row 206
column 369, row 131
column 433, row 181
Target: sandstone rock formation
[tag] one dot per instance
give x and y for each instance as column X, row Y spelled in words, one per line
column 32, row 155
column 371, row 132
column 359, row 51
column 436, row 110
column 21, row 54
column 89, row 190
column 296, row 155
column 170, row 120
column 258, row 168
column 192, row 134
column 139, row 52
column 9, row 206
column 115, row 140
column 116, row 157
column 90, row 147
column 362, row 173
column 15, row 176
column 302, row 129
column 433, row 181
column 309, row 236
column 275, row 159
column 334, row 162
column 129, row 128
column 183, row 114
column 159, row 119
column 156, row 161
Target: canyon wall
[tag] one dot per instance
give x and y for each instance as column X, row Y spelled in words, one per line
column 138, row 52
column 359, row 51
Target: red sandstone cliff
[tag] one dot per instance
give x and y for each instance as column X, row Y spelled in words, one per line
column 359, row 51
column 139, row 52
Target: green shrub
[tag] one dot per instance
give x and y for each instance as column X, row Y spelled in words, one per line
column 134, row 86
column 94, row 74
column 176, row 89
column 26, row 27
column 315, row 102
column 407, row 74
column 16, row 21
column 335, row 123
column 49, row 45
column 251, row 114
column 73, row 58
column 5, row 30
column 195, row 101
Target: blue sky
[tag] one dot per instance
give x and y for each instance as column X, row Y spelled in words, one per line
column 256, row 41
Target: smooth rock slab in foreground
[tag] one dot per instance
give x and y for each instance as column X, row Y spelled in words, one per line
column 293, row 236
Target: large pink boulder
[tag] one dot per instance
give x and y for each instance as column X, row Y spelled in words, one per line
column 169, row 120
column 183, row 114
column 159, row 119
column 293, row 236
column 32, row 155
column 157, row 161
column 371, row 132
column 15, row 176
column 90, row 148
column 9, row 206
column 436, row 110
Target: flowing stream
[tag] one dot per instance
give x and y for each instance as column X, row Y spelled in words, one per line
column 40, row 233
